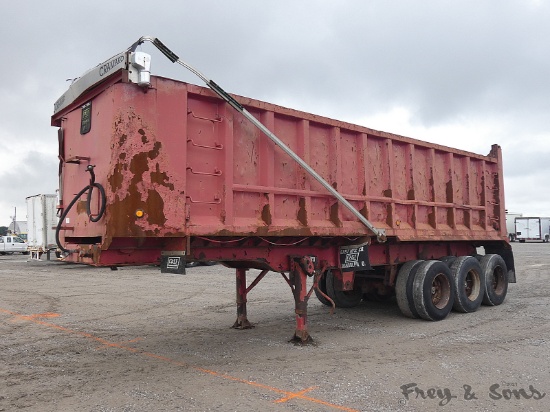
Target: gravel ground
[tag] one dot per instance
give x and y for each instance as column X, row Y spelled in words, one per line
column 76, row 338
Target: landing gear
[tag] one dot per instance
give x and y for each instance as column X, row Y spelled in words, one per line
column 301, row 269
column 242, row 291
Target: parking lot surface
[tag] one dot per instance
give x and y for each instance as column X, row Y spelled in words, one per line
column 78, row 338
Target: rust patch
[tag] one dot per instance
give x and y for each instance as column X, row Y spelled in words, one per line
column 449, row 191
column 389, row 215
column 364, row 189
column 432, row 218
column 431, row 185
column 467, row 219
column 302, row 212
column 266, row 214
column 334, row 218
column 81, row 207
column 410, row 195
column 161, row 178
column 483, row 198
column 116, row 180
column 155, row 208
column 138, row 166
column 135, row 182
column 387, row 193
column 496, row 203
column 365, row 212
column 450, row 218
column 122, row 139
column 144, row 139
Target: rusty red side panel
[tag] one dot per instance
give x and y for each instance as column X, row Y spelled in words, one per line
column 196, row 167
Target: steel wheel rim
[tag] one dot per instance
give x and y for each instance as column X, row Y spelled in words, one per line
column 472, row 285
column 497, row 282
column 440, row 291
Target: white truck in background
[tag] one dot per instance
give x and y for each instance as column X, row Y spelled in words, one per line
column 532, row 228
column 41, row 223
column 12, row 244
column 511, row 224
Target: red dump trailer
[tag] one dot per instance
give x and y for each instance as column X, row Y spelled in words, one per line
column 158, row 171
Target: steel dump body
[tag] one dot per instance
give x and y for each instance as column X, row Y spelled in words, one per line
column 200, row 171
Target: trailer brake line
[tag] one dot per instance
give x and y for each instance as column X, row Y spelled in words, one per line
column 93, row 218
column 174, row 58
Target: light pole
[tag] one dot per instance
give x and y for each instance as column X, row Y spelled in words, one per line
column 14, row 217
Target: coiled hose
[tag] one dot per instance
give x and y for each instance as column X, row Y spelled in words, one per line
column 89, row 188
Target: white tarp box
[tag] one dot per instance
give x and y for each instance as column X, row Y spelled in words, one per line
column 41, row 221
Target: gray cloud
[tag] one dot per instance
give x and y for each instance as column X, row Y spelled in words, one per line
column 445, row 62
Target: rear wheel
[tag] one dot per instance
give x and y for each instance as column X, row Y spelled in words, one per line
column 449, row 260
column 469, row 284
column 404, row 288
column 433, row 290
column 496, row 279
column 342, row 298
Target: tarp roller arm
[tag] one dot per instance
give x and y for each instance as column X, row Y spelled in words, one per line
column 380, row 233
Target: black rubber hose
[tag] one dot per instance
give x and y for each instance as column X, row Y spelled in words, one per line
column 62, row 218
column 103, row 202
column 89, row 189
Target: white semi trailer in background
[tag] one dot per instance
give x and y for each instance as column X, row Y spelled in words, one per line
column 511, row 224
column 41, row 223
column 532, row 228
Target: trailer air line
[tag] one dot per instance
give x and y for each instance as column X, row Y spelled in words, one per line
column 380, row 233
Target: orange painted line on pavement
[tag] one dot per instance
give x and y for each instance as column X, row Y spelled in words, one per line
column 295, row 395
column 287, row 395
column 126, row 341
column 37, row 316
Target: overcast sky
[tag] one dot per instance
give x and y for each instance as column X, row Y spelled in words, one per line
column 466, row 74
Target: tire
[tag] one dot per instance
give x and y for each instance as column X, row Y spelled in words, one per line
column 323, row 287
column 449, row 260
column 433, row 290
column 404, row 288
column 342, row 299
column 469, row 284
column 496, row 279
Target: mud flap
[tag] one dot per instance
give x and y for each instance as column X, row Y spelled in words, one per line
column 172, row 262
